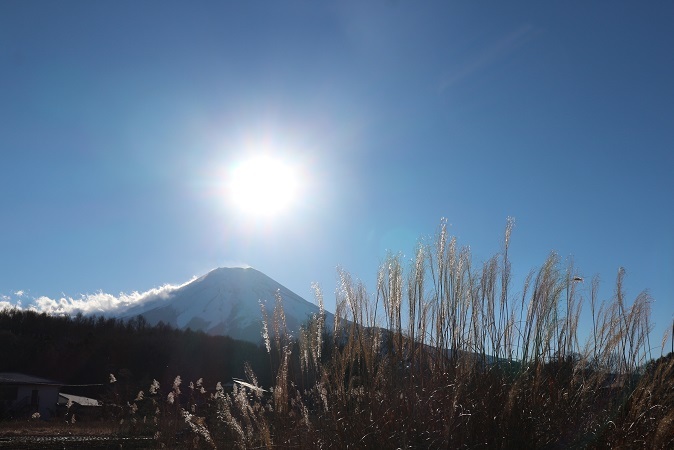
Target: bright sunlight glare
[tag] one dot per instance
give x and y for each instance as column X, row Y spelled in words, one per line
column 263, row 186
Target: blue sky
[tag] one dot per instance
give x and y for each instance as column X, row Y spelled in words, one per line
column 120, row 123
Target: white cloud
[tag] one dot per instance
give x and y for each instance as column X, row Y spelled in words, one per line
column 19, row 293
column 5, row 304
column 98, row 303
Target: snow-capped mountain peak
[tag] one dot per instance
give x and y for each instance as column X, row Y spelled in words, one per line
column 226, row 301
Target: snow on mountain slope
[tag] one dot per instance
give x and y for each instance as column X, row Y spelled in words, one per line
column 226, row 301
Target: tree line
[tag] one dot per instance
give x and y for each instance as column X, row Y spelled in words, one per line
column 85, row 350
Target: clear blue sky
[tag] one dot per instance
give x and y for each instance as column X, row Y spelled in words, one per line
column 120, row 122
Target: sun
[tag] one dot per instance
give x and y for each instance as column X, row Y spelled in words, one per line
column 263, row 186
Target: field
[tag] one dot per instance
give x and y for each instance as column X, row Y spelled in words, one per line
column 93, row 435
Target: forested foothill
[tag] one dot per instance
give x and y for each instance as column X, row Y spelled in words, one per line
column 84, row 350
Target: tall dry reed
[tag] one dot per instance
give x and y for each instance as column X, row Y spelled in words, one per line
column 446, row 353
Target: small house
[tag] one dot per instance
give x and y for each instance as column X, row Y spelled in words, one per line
column 25, row 395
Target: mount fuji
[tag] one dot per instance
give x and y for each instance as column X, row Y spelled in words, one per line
column 226, row 301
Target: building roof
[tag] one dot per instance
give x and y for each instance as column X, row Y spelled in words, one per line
column 22, row 378
column 77, row 399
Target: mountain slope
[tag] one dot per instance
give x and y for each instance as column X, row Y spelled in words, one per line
column 226, row 301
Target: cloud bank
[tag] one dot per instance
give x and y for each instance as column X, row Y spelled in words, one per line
column 99, row 303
